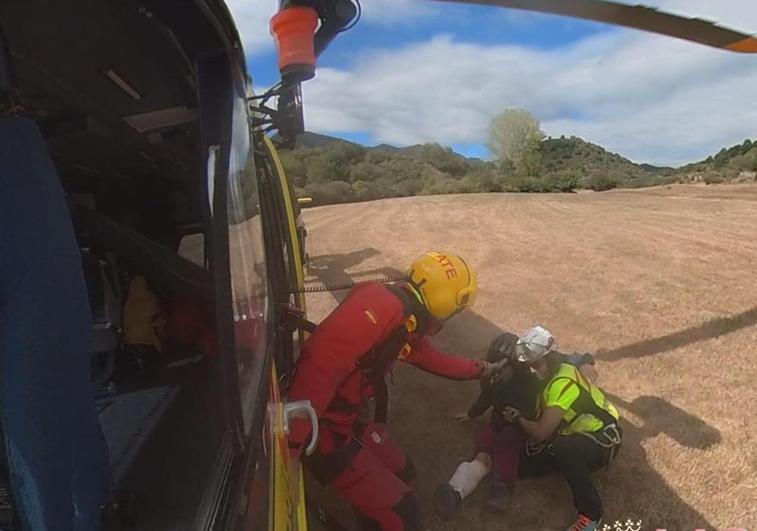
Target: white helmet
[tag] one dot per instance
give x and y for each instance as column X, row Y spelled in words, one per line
column 534, row 344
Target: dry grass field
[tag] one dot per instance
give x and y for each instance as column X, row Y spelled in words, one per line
column 660, row 283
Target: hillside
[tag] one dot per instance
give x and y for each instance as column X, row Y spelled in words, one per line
column 589, row 161
column 735, row 164
column 332, row 170
column 315, row 140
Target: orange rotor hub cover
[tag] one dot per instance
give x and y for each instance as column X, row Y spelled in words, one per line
column 294, row 28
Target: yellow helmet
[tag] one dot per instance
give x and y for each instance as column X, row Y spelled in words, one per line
column 444, row 282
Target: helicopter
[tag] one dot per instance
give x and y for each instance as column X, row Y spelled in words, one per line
column 139, row 177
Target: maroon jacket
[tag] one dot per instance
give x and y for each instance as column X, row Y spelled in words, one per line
column 327, row 373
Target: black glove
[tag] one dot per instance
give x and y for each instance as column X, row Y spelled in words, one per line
column 490, row 368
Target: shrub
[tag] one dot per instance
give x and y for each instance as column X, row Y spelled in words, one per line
column 330, row 193
column 600, row 182
column 714, row 178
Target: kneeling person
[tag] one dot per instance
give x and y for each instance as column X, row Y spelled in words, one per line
column 580, row 427
column 343, row 365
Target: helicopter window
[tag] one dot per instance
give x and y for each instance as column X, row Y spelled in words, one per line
column 247, row 263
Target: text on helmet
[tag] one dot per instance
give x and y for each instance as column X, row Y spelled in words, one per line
column 449, row 268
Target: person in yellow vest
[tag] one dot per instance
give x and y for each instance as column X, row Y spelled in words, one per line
column 577, row 430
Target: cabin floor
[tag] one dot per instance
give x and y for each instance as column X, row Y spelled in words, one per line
column 166, row 419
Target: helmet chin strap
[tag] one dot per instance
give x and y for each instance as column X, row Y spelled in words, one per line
column 431, row 323
column 417, row 293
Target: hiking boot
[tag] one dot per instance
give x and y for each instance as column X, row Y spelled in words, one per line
column 447, row 502
column 584, row 523
column 500, row 496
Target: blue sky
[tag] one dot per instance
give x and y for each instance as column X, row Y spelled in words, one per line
column 476, row 24
column 415, row 71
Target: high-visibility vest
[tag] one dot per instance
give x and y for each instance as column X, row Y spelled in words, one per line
column 585, row 407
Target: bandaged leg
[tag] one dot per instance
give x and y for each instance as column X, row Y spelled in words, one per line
column 469, row 474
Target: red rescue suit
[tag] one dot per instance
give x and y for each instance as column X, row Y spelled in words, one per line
column 359, row 460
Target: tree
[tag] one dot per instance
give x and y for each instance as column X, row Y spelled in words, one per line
column 325, row 167
column 721, row 158
column 746, row 146
column 515, row 136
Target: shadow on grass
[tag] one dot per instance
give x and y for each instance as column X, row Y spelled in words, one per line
column 708, row 330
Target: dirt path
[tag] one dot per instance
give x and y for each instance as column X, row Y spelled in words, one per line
column 661, row 282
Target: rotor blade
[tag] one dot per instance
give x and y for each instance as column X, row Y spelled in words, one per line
column 638, row 17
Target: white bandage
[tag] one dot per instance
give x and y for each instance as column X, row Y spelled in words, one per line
column 467, row 477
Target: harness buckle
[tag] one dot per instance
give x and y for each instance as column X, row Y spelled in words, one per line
column 535, row 448
column 613, row 434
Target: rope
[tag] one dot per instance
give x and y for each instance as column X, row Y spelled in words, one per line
column 322, row 287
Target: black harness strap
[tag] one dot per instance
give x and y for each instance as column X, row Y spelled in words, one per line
column 377, row 362
column 308, row 326
column 381, row 396
column 327, row 467
column 374, row 366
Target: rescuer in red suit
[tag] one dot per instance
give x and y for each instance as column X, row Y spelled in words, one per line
column 341, row 371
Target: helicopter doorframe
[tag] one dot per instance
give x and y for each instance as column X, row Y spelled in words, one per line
column 249, row 464
column 215, row 113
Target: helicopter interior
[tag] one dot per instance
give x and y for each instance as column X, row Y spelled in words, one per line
column 114, row 88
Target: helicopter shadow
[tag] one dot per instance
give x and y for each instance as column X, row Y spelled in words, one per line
column 421, row 413
column 333, row 270
column 708, row 330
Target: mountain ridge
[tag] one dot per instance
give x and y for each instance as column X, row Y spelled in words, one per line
column 333, row 170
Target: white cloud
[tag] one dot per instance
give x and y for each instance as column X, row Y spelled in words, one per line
column 252, row 18
column 392, row 12
column 651, row 98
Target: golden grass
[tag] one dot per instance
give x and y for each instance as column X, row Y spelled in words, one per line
column 661, row 282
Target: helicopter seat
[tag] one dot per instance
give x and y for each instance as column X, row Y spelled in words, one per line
column 105, row 307
column 104, row 303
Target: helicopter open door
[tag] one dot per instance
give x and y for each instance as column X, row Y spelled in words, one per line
column 258, row 273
